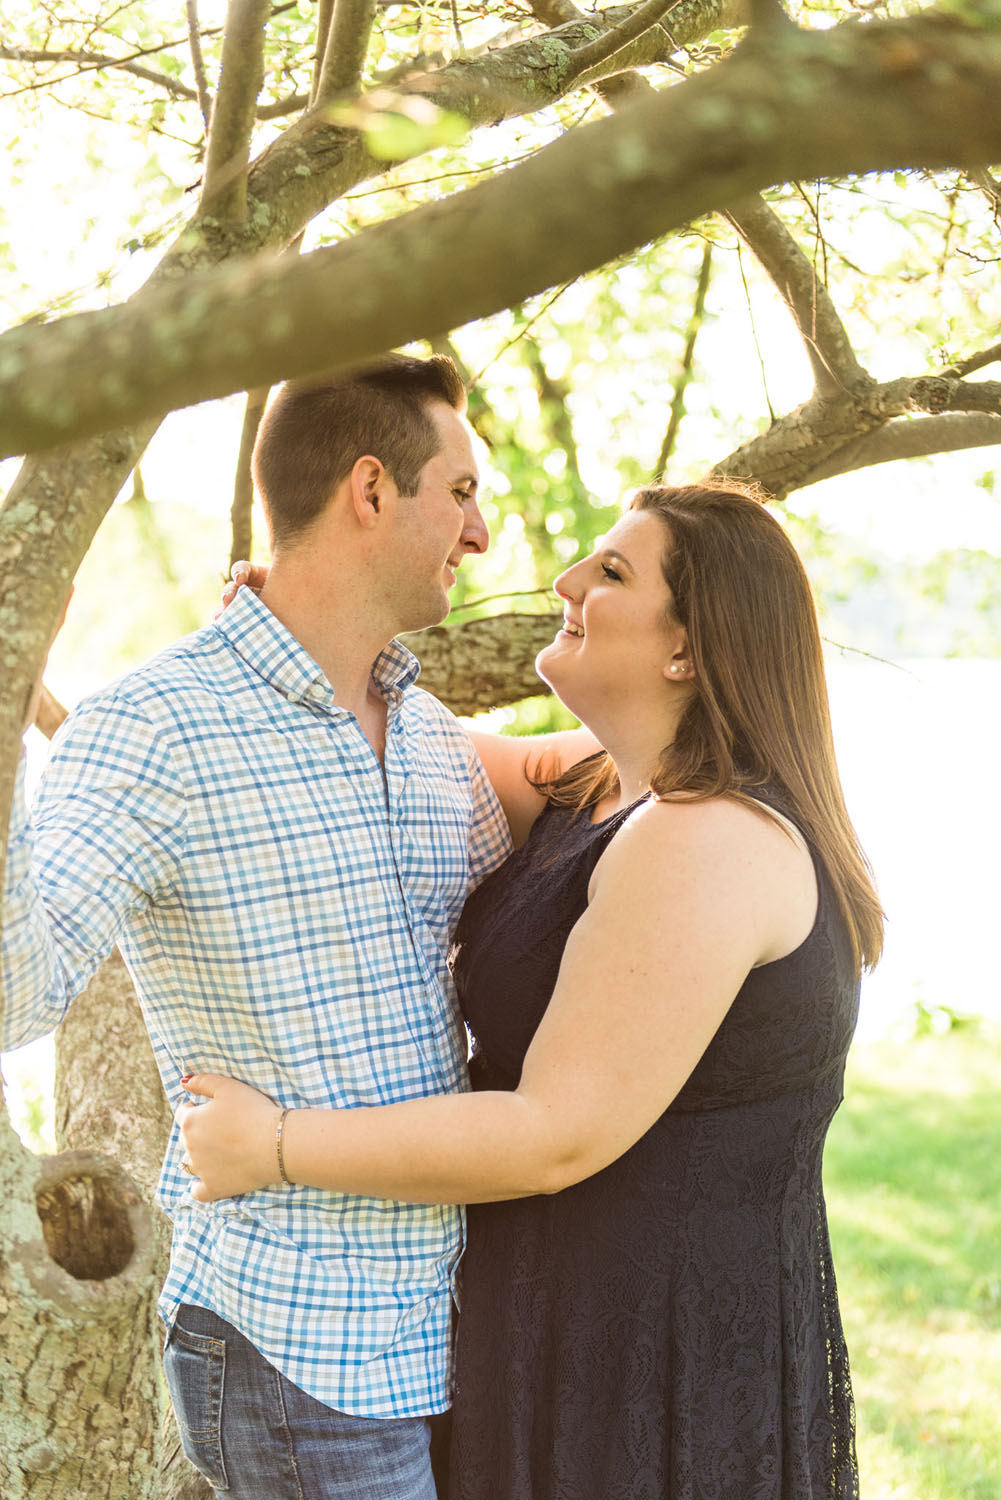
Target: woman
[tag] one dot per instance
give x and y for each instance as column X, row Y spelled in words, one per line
column 662, row 984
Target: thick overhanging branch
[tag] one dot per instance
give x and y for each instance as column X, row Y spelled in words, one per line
column 835, row 367
column 915, row 437
column 224, row 190
column 825, row 436
column 933, row 393
column 649, row 168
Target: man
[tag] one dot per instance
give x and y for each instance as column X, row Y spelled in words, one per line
column 279, row 830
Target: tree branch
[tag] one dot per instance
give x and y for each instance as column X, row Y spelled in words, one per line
column 687, row 362
column 975, row 361
column 603, row 47
column 832, row 358
column 665, row 160
column 555, row 12
column 224, row 190
column 919, row 437
column 242, row 508
column 819, row 437
column 988, row 185
column 94, row 61
column 314, row 162
column 346, row 49
column 932, row 393
column 198, row 61
column 483, row 663
column 241, row 532
column 324, row 15
column 532, row 74
column 280, row 109
column 768, row 16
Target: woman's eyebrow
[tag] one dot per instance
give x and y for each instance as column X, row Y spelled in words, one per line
column 619, row 556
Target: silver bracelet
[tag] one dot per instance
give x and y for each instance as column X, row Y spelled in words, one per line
column 278, row 1147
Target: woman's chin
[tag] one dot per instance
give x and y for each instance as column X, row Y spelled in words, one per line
column 548, row 666
column 545, row 667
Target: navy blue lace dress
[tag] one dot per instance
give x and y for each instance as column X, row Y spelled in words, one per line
column 668, row 1329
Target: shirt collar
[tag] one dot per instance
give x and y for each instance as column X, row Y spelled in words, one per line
column 273, row 652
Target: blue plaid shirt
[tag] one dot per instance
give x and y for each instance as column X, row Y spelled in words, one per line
column 285, row 909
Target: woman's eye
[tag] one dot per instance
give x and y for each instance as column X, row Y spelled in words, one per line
column 610, row 572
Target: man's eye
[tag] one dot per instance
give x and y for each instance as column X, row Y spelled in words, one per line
column 462, row 497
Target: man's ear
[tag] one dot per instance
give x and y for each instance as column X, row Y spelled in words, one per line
column 368, row 482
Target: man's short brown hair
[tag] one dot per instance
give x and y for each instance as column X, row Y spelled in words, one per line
column 313, row 433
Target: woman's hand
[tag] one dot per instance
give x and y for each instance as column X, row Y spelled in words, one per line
column 230, row 1141
column 254, row 575
column 42, row 708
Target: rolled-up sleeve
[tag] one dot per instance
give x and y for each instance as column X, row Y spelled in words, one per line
column 103, row 840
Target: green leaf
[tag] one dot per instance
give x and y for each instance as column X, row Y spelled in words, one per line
column 391, row 136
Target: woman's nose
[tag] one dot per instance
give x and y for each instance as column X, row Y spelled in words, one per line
column 566, row 584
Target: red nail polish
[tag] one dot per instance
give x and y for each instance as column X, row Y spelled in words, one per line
column 186, row 1076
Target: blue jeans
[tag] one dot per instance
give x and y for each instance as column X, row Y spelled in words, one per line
column 256, row 1436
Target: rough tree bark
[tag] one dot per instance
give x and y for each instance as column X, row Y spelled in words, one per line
column 109, row 1097
column 77, row 1303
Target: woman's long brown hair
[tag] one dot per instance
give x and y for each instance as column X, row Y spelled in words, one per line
column 759, row 715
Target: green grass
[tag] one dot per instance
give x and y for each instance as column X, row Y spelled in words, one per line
column 913, row 1178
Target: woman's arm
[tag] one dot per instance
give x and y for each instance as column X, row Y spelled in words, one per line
column 687, row 898
column 509, row 760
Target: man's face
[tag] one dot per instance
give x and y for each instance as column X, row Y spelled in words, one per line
column 439, row 525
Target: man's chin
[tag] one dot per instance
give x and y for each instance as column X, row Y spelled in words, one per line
column 435, row 614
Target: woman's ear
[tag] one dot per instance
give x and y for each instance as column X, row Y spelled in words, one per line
column 680, row 667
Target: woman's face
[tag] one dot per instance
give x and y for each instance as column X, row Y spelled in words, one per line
column 619, row 636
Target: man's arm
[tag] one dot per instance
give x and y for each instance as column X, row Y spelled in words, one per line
column 104, row 839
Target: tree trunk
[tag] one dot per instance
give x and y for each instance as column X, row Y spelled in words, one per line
column 109, row 1095
column 78, row 1392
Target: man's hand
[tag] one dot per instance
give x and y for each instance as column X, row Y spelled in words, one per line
column 254, row 575
column 230, row 1141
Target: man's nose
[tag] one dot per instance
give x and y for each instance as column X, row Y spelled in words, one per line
column 475, row 536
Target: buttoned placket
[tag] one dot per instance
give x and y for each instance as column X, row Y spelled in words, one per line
column 393, row 776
